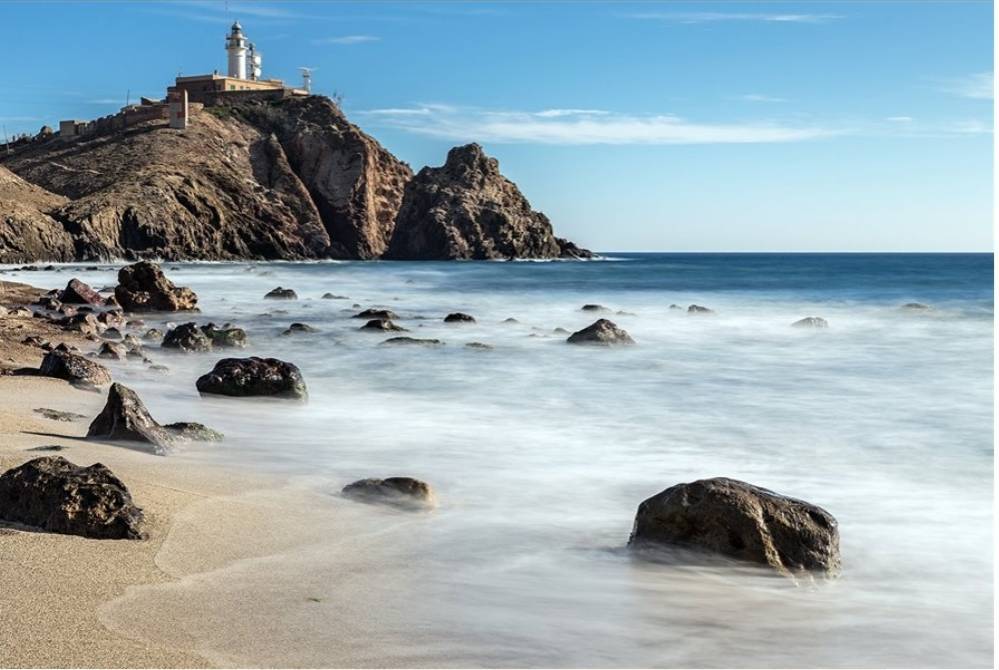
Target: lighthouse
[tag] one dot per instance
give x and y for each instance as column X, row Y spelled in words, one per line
column 237, row 46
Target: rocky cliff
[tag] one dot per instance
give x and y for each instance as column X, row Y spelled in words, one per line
column 288, row 179
column 466, row 209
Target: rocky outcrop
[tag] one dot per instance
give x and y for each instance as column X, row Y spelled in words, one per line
column 403, row 492
column 142, row 287
column 244, row 377
column 746, row 522
column 287, row 179
column 55, row 495
column 601, row 332
column 124, row 418
column 466, row 209
column 28, row 232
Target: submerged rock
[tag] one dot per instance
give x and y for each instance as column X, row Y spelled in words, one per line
column 280, row 293
column 459, row 317
column 125, row 418
column 376, row 314
column 193, row 432
column 478, row 345
column 407, row 341
column 75, row 369
column 331, row 296
column 299, row 328
column 383, row 325
column 916, row 307
column 142, row 287
column 601, row 332
column 226, row 337
column 737, row 519
column 404, row 492
column 244, row 377
column 153, row 335
column 811, row 322
column 55, row 495
column 594, row 308
column 699, row 309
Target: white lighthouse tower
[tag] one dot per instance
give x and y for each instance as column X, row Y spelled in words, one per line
column 237, row 46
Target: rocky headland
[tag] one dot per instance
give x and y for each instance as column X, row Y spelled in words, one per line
column 290, row 179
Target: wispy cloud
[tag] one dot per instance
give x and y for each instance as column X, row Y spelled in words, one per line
column 977, row 86
column 899, row 119
column 582, row 127
column 714, row 17
column 759, row 97
column 347, row 39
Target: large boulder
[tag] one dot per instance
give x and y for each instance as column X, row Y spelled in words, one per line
column 55, row 495
column 601, row 332
column 142, row 287
column 404, row 492
column 746, row 522
column 243, row 377
column 79, row 293
column 187, row 337
column 124, row 418
column 75, row 369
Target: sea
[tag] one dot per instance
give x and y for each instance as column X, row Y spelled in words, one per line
column 540, row 452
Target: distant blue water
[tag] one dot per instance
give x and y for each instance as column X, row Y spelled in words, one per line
column 540, row 453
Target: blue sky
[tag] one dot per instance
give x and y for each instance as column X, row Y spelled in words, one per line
column 728, row 126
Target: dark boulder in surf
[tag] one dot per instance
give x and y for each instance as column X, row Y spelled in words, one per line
column 142, row 287
column 699, row 309
column 377, row 314
column 280, row 293
column 125, row 419
column 459, row 317
column 916, row 307
column 299, row 328
column 746, row 522
column 594, row 308
column 187, row 337
column 113, row 351
column 404, row 492
column 601, row 332
column 382, row 325
column 193, row 432
column 411, row 341
column 55, row 495
column 811, row 322
column 246, row 377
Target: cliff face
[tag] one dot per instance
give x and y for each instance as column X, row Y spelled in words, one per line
column 27, row 233
column 290, row 179
column 466, row 209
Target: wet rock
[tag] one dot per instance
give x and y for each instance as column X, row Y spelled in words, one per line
column 403, row 492
column 377, row 314
column 113, row 351
column 111, row 334
column 916, row 307
column 86, row 324
column 811, row 322
column 193, row 432
column 560, row 331
column 227, row 337
column 737, row 519
column 75, row 369
column 698, row 309
column 331, row 296
column 78, row 293
column 459, row 317
column 124, row 418
column 142, row 287
column 57, row 415
column 281, row 294
column 478, row 345
column 299, row 328
column 510, row 319
column 243, row 377
column 58, row 496
column 601, row 332
column 382, row 325
column 594, row 308
column 187, row 337
column 162, row 369
column 153, row 335
column 410, row 341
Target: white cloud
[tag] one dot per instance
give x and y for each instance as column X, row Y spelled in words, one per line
column 978, row 86
column 712, row 17
column 759, row 97
column 555, row 113
column 474, row 124
column 899, row 119
column 347, row 39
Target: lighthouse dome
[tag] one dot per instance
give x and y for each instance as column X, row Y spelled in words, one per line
column 236, row 27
